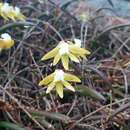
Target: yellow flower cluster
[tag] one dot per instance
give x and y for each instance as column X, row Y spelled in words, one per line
column 64, row 51
column 6, row 41
column 9, row 12
column 59, row 79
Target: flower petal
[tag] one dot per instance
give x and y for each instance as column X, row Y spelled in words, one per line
column 73, row 58
column 11, row 16
column 68, row 85
column 47, row 80
column 6, row 44
column 4, row 16
column 2, row 43
column 59, row 89
column 65, row 61
column 21, row 17
column 72, row 78
column 50, row 54
column 9, row 44
column 56, row 59
column 50, row 87
column 77, row 50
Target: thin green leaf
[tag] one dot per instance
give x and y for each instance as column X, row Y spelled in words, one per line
column 15, row 24
column 52, row 115
column 89, row 92
column 11, row 126
column 45, row 123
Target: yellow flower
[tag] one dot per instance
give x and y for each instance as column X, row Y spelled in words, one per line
column 6, row 11
column 10, row 12
column 65, row 51
column 58, row 80
column 18, row 14
column 6, row 41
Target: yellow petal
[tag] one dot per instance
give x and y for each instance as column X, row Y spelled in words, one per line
column 73, row 58
column 21, row 17
column 9, row 44
column 77, row 50
column 6, row 44
column 2, row 43
column 11, row 16
column 50, row 87
column 50, row 54
column 65, row 61
column 59, row 89
column 56, row 59
column 87, row 51
column 72, row 78
column 4, row 16
column 68, row 85
column 47, row 80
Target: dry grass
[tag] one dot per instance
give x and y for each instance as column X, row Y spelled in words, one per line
column 101, row 101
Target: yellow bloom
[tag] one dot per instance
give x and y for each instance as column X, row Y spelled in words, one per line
column 10, row 12
column 65, row 51
column 18, row 14
column 6, row 11
column 58, row 80
column 6, row 41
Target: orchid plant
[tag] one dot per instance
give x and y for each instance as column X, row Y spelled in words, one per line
column 9, row 12
column 58, row 80
column 65, row 51
column 6, row 41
